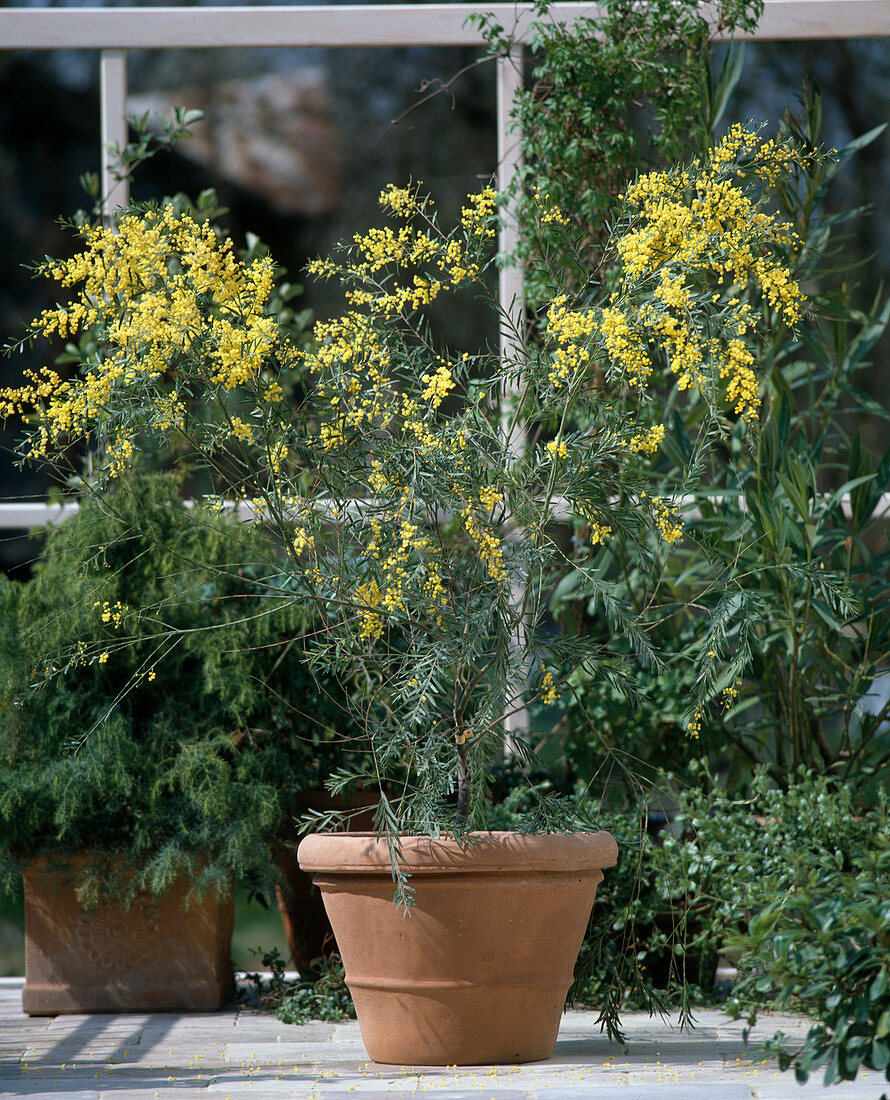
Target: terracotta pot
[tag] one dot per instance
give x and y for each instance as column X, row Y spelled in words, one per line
column 479, row 970
column 157, row 956
column 306, row 925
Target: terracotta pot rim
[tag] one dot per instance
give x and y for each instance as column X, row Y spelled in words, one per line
column 502, row 851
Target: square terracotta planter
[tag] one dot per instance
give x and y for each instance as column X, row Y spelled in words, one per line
column 156, row 956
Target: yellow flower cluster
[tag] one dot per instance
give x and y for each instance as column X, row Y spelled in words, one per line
column 742, row 387
column 169, row 413
column 669, row 526
column 384, row 254
column 112, row 613
column 434, row 590
column 241, row 431
column 438, row 386
column 381, row 246
column 323, row 268
column 731, row 693
column 119, row 455
column 331, row 436
column 625, row 346
column 147, row 287
column 478, row 214
column 368, row 597
column 457, row 264
column 647, row 441
column 302, row 540
column 352, row 366
column 599, row 533
column 278, row 455
column 367, row 400
column 569, row 330
column 400, row 200
column 22, row 399
column 548, row 213
column 549, row 694
column 697, row 230
column 403, row 299
column 487, row 544
column 396, row 540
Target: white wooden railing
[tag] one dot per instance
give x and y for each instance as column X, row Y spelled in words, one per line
column 113, row 31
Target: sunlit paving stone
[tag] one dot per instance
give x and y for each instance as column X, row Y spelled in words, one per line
column 243, row 1053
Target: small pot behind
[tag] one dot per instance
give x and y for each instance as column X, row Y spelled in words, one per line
column 477, row 973
column 306, row 925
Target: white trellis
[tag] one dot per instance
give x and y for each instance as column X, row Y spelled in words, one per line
column 114, row 31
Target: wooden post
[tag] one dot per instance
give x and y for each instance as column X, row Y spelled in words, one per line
column 113, row 97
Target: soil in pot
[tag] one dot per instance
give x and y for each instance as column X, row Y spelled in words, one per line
column 479, row 970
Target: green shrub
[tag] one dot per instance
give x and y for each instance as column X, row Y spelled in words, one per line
column 142, row 678
column 609, row 96
column 738, row 856
column 324, row 997
column 824, row 949
column 680, row 897
column 320, row 995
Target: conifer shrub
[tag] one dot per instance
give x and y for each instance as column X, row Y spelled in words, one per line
column 143, row 678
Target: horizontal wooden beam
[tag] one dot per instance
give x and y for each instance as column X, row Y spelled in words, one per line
column 370, row 25
column 788, row 20
column 32, row 514
column 29, row 514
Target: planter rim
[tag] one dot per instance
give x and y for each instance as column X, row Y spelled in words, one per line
column 501, row 851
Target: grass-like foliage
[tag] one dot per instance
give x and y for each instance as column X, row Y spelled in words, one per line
column 773, row 608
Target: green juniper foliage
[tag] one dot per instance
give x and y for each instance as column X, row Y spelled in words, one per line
column 143, row 674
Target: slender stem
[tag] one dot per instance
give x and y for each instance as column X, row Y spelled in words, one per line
column 464, row 779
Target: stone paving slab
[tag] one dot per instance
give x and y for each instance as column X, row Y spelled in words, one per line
column 237, row 1052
